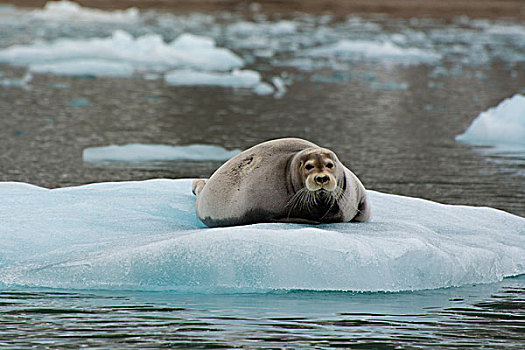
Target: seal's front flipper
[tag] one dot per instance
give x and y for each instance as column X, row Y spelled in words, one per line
column 197, row 186
column 363, row 211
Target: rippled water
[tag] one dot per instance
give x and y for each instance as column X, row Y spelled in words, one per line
column 488, row 316
column 394, row 125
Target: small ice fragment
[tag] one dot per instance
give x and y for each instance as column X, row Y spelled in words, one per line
column 435, row 85
column 235, row 79
column 280, row 86
column 79, row 102
column 59, row 86
column 500, row 125
column 18, row 82
column 263, row 89
column 386, row 50
column 142, row 153
column 389, row 85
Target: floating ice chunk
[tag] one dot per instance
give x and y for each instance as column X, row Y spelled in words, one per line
column 201, row 53
column 246, row 79
column 510, row 30
column 122, row 50
column 388, row 85
column 18, row 82
column 137, row 152
column 95, row 67
column 263, row 89
column 191, row 42
column 245, row 29
column 386, row 50
column 146, row 236
column 235, row 79
column 68, row 10
column 60, row 86
column 283, row 27
column 501, row 125
column 280, row 86
column 80, row 102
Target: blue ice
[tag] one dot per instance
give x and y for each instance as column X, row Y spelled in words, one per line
column 145, row 236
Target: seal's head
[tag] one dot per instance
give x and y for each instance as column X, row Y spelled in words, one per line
column 316, row 169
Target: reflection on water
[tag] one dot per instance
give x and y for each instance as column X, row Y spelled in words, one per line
column 471, row 317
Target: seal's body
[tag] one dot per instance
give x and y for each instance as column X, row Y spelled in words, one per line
column 283, row 180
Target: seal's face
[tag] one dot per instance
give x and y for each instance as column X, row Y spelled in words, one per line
column 317, row 181
column 318, row 170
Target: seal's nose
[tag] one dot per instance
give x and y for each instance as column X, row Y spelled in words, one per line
column 322, row 179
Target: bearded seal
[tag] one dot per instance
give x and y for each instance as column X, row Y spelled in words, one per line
column 283, row 180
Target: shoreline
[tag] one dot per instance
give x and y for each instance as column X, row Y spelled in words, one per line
column 488, row 9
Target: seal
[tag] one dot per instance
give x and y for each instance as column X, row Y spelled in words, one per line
column 283, row 180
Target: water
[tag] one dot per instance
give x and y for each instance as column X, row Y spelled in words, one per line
column 393, row 124
column 490, row 316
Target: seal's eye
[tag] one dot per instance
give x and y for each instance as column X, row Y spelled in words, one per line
column 329, row 165
column 309, row 166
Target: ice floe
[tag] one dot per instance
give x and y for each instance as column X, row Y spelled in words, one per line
column 247, row 79
column 145, row 236
column 122, row 53
column 71, row 11
column 503, row 125
column 137, row 152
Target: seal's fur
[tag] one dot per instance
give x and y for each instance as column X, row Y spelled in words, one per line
column 283, row 180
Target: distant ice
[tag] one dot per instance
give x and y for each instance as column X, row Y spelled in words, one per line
column 251, row 28
column 17, row 82
column 388, row 85
column 500, row 125
column 80, row 102
column 237, row 78
column 263, row 89
column 247, row 79
column 95, row 67
column 142, row 153
column 121, row 53
column 71, row 11
column 145, row 236
column 386, row 50
column 280, row 86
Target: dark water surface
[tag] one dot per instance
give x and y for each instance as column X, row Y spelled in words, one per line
column 478, row 316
